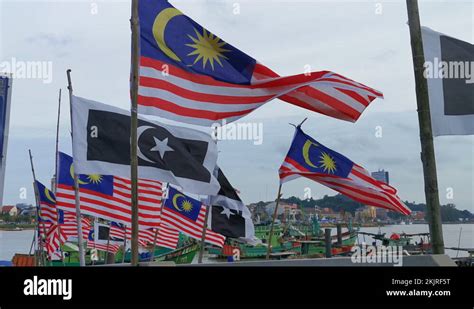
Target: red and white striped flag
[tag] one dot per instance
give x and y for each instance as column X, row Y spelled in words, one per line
column 167, row 237
column 187, row 216
column 68, row 226
column 195, row 77
column 54, row 240
column 309, row 158
column 108, row 197
column 112, row 248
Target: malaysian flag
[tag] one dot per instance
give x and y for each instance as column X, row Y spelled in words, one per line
column 117, row 231
column 107, row 246
column 188, row 74
column 112, row 248
column 54, row 240
column 108, row 197
column 48, row 229
column 311, row 159
column 167, row 236
column 47, row 203
column 122, row 232
column 67, row 223
column 187, row 216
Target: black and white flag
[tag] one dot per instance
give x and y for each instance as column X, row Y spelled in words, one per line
column 102, row 235
column 449, row 69
column 177, row 155
column 228, row 215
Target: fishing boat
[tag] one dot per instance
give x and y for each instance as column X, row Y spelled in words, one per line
column 413, row 244
column 290, row 241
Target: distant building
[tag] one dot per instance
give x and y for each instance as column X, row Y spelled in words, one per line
column 23, row 206
column 282, row 208
column 381, row 213
column 9, row 209
column 418, row 215
column 381, row 175
column 365, row 214
column 372, row 212
column 30, row 211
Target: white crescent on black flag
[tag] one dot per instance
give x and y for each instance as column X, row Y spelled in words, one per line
column 178, row 155
column 228, row 215
column 449, row 69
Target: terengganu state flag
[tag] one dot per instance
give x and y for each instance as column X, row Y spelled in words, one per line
column 190, row 75
column 311, row 159
column 177, row 155
column 449, row 70
column 228, row 215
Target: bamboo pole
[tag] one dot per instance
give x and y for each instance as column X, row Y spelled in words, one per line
column 426, row 136
column 134, row 22
column 38, row 207
column 80, row 242
column 34, row 243
column 269, row 248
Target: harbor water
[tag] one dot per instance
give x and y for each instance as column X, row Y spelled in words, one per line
column 455, row 235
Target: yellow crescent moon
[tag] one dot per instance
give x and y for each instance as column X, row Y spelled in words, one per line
column 79, row 181
column 159, row 26
column 306, row 147
column 48, row 196
column 175, row 198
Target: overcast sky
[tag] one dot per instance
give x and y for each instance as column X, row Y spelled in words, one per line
column 367, row 41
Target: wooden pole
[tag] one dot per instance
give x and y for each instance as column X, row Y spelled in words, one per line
column 107, row 248
column 328, row 242
column 156, row 232
column 134, row 22
column 38, row 207
column 154, row 245
column 275, row 213
column 80, row 242
column 339, row 234
column 34, row 243
column 426, row 135
column 203, row 237
column 124, row 245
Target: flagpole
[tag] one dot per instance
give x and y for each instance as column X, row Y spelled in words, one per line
column 154, row 245
column 124, row 245
column 203, row 237
column 38, row 207
column 56, row 169
column 80, row 242
column 134, row 22
column 34, row 243
column 107, row 249
column 57, row 145
column 156, row 232
column 426, row 136
column 269, row 248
